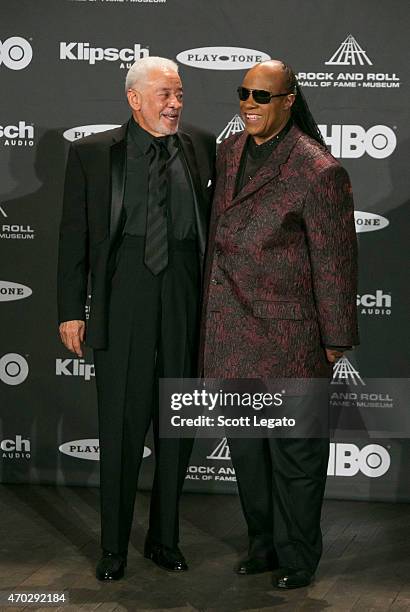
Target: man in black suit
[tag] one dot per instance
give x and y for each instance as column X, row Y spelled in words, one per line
column 135, row 216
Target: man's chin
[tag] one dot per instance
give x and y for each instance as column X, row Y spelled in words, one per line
column 169, row 129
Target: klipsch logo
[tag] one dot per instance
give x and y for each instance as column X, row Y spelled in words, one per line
column 86, row 130
column 74, row 367
column 13, row 369
column 345, row 62
column 374, row 304
column 84, row 52
column 17, row 448
column 351, row 141
column 15, row 53
column 19, row 135
column 372, row 460
column 345, row 373
column 222, row 58
column 13, row 291
column 88, row 448
column 234, row 126
column 369, row 222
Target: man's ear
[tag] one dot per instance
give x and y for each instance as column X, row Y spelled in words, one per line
column 134, row 99
column 289, row 101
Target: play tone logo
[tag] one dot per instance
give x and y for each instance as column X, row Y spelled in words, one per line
column 88, row 449
column 16, row 53
column 369, row 222
column 86, row 130
column 84, row 52
column 348, row 56
column 10, row 292
column 222, row 58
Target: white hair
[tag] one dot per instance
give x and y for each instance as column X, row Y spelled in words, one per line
column 138, row 73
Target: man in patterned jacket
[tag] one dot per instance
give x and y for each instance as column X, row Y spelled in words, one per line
column 280, row 302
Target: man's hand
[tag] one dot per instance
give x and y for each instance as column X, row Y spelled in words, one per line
column 72, row 335
column 333, row 354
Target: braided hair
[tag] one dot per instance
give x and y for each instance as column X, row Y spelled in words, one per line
column 300, row 112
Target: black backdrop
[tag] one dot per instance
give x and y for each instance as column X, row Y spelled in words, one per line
column 62, row 70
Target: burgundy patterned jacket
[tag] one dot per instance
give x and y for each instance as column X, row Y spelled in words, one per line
column 281, row 274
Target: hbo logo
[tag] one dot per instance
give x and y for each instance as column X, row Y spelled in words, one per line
column 372, row 460
column 378, row 141
column 15, row 53
column 13, row 369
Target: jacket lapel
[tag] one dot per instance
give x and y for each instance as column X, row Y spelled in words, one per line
column 195, row 178
column 268, row 171
column 232, row 168
column 118, row 174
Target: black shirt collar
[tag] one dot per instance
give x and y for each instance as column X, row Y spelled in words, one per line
column 263, row 150
column 143, row 139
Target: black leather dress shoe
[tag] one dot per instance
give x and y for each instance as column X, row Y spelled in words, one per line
column 255, row 565
column 291, row 578
column 111, row 566
column 170, row 559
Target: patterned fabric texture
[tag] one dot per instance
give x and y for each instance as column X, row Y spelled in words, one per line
column 281, row 272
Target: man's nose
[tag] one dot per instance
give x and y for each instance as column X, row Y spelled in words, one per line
column 174, row 101
column 249, row 103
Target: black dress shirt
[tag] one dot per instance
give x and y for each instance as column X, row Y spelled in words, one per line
column 180, row 201
column 254, row 156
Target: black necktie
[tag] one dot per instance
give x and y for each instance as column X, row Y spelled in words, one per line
column 156, row 239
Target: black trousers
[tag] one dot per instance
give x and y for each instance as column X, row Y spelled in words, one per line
column 281, row 485
column 153, row 322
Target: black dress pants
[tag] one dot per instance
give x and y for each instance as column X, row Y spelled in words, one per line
column 153, row 323
column 281, row 484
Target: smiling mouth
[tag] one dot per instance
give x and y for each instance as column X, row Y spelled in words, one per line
column 171, row 117
column 252, row 117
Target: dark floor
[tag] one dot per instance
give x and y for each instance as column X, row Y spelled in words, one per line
column 49, row 540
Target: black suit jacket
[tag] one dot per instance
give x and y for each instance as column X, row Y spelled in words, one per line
column 92, row 218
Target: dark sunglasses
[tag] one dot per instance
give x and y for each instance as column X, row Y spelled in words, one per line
column 259, row 95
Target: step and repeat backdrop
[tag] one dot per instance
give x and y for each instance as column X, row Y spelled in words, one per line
column 62, row 70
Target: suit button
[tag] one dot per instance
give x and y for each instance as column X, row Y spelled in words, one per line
column 214, row 281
